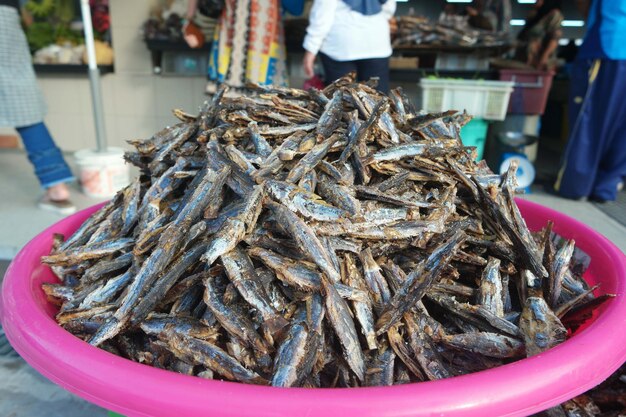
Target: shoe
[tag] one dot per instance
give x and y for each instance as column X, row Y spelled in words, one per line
column 598, row 200
column 64, row 207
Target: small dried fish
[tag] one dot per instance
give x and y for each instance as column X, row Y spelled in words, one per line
column 540, row 327
column 333, row 238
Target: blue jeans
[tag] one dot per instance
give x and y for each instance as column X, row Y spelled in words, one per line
column 50, row 167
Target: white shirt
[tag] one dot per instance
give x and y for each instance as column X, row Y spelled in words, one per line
column 346, row 35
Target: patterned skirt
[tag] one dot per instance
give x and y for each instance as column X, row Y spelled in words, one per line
column 21, row 101
column 248, row 45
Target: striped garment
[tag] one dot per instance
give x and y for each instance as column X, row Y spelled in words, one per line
column 21, row 101
column 248, row 45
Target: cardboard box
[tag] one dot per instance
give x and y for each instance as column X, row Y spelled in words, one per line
column 401, row 62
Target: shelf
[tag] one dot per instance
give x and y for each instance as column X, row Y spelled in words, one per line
column 181, row 46
column 69, row 69
column 434, row 49
column 159, row 48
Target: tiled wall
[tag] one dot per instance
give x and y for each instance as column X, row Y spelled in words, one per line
column 136, row 102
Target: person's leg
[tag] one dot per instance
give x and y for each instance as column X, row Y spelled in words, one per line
column 335, row 69
column 375, row 67
column 611, row 127
column 50, row 167
column 581, row 156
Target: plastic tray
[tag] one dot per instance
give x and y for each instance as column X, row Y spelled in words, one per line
column 517, row 389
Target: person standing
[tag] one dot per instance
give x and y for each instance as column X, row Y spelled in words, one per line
column 594, row 162
column 22, row 106
column 350, row 35
column 248, row 45
column 539, row 39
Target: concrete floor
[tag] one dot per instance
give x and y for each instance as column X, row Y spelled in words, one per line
column 23, row 391
column 21, row 219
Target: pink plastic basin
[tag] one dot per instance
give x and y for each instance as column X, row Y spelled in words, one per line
column 517, row 389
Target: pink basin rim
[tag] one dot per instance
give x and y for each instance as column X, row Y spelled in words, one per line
column 518, row 389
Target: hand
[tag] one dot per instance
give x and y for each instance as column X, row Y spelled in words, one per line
column 393, row 26
column 307, row 63
column 190, row 35
column 471, row 11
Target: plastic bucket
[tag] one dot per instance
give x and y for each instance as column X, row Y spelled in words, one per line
column 475, row 134
column 133, row 389
column 530, row 94
column 102, row 174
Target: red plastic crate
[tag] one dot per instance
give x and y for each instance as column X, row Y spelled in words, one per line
column 530, row 92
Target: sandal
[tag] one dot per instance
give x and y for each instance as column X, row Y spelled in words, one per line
column 64, row 207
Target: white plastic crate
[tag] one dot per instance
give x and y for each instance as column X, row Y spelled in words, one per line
column 484, row 99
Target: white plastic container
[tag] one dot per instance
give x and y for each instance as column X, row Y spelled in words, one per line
column 483, row 99
column 102, row 174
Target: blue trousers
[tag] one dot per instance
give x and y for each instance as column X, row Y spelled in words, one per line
column 595, row 158
column 46, row 157
column 365, row 69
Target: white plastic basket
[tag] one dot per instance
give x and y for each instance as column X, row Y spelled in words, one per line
column 484, row 99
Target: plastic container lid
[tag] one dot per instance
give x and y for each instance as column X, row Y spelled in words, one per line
column 110, row 155
column 516, row 139
column 517, row 389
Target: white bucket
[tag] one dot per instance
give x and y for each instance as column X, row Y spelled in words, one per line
column 102, row 174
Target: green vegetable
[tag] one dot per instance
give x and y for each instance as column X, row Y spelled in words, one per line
column 65, row 34
column 39, row 35
column 40, row 8
column 65, row 11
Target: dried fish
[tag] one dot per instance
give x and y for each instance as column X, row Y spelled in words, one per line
column 317, row 239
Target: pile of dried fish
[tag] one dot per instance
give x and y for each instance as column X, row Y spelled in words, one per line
column 320, row 239
column 421, row 31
